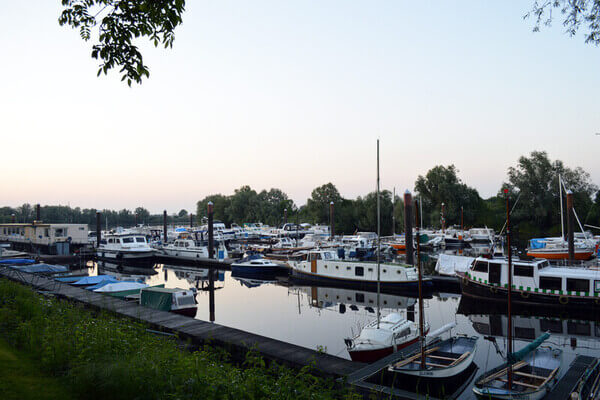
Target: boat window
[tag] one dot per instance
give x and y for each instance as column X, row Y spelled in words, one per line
column 522, row 270
column 550, row 283
column 597, row 286
column 327, row 256
column 186, row 300
column 551, row 325
column 524, row 333
column 371, row 270
column 481, row 266
column 127, row 240
column 578, row 285
column 140, row 240
column 543, row 264
column 403, row 332
column 359, row 271
column 579, row 328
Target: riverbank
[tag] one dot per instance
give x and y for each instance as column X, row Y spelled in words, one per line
column 100, row 356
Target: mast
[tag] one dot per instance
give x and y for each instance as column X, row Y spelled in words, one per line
column 421, row 210
column 421, row 324
column 378, row 239
column 394, row 213
column 562, row 220
column 510, row 347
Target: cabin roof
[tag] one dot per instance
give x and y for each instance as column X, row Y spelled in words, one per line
column 564, row 272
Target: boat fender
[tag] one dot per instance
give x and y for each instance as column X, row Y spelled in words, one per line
column 525, row 295
column 563, row 299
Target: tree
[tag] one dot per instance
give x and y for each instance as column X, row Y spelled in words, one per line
column 318, row 204
column 535, row 180
column 367, row 212
column 220, row 204
column 442, row 185
column 576, row 13
column 182, row 213
column 143, row 215
column 119, row 23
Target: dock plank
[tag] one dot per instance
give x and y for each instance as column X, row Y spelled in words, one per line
column 568, row 383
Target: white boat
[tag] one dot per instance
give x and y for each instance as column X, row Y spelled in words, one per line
column 325, row 266
column 186, row 249
column 125, row 247
column 377, row 340
column 482, row 235
column 257, row 264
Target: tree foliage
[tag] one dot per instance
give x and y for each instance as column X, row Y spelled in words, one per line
column 119, row 23
column 575, row 14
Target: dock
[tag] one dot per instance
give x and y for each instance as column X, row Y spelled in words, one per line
column 569, row 382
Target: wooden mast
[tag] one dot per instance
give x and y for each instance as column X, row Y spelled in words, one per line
column 421, row 308
column 378, row 240
column 510, row 347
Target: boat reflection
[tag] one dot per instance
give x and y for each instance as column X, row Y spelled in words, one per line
column 196, row 277
column 125, row 272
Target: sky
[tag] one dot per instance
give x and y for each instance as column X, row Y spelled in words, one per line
column 291, row 95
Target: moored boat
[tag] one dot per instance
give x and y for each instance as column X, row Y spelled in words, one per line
column 256, row 264
column 178, row 301
column 125, row 247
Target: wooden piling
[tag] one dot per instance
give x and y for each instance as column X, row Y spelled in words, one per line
column 211, row 238
column 38, row 213
column 164, row 227
column 408, row 228
column 571, row 227
column 285, row 216
column 191, row 220
column 331, row 221
column 98, row 228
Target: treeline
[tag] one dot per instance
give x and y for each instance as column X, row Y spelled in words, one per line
column 532, row 185
column 76, row 215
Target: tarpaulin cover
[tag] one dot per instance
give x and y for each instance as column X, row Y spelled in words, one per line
column 69, row 279
column 92, row 280
column 41, row 268
column 120, row 287
column 157, row 298
column 537, row 243
column 449, row 265
column 99, row 285
column 17, row 261
column 519, row 355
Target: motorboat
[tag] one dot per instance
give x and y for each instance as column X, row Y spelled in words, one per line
column 257, row 264
column 558, row 249
column 186, row 249
column 178, row 301
column 381, row 338
column 126, row 247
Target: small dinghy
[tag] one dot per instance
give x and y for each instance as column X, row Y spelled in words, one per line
column 377, row 340
column 533, row 373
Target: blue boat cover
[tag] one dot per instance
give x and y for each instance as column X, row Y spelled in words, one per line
column 519, row 355
column 17, row 261
column 68, row 279
column 100, row 284
column 537, row 243
column 92, row 280
column 41, row 268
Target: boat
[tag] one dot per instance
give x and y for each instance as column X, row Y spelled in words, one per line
column 534, row 373
column 178, row 301
column 324, row 265
column 436, row 359
column 481, row 235
column 186, row 249
column 257, row 264
column 535, row 281
column 122, row 289
column 558, row 249
column 528, row 374
column 381, row 338
column 125, row 247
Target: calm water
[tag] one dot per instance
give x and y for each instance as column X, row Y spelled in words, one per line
column 321, row 317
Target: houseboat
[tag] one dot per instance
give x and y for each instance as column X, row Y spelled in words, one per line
column 533, row 282
column 325, row 266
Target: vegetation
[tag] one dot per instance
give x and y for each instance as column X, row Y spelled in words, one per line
column 100, row 356
column 532, row 184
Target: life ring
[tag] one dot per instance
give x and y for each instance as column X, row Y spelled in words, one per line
column 525, row 295
column 563, row 300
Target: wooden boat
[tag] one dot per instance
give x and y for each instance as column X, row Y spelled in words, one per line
column 532, row 377
column 442, row 359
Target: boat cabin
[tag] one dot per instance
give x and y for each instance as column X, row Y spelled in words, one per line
column 127, row 240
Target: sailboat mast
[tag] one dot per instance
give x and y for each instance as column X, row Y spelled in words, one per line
column 378, row 239
column 510, row 347
column 421, row 308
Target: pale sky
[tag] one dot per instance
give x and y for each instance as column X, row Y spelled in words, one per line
column 291, row 94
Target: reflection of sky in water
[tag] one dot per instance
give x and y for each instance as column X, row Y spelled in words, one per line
column 311, row 316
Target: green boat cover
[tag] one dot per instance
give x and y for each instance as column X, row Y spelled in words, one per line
column 519, row 355
column 157, row 298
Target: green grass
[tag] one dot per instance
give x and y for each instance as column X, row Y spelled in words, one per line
column 20, row 378
column 102, row 356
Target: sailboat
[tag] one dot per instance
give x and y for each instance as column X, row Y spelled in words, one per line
column 436, row 359
column 528, row 374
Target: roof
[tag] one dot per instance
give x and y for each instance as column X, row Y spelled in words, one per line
column 564, row 272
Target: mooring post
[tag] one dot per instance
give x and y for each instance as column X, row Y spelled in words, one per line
column 38, row 213
column 408, row 228
column 285, row 216
column 165, row 227
column 571, row 227
column 211, row 238
column 211, row 294
column 331, row 221
column 98, row 228
column 191, row 220
column 443, row 219
column 12, row 218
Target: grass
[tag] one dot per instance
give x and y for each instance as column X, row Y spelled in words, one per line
column 101, row 356
column 20, row 378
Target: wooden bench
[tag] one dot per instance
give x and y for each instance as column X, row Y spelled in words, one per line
column 415, row 357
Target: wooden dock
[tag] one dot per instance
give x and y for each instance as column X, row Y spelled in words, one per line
column 568, row 383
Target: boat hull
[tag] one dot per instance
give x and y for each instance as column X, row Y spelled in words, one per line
column 126, row 256
column 409, row 286
column 369, row 356
column 257, row 270
column 579, row 255
column 187, row 312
